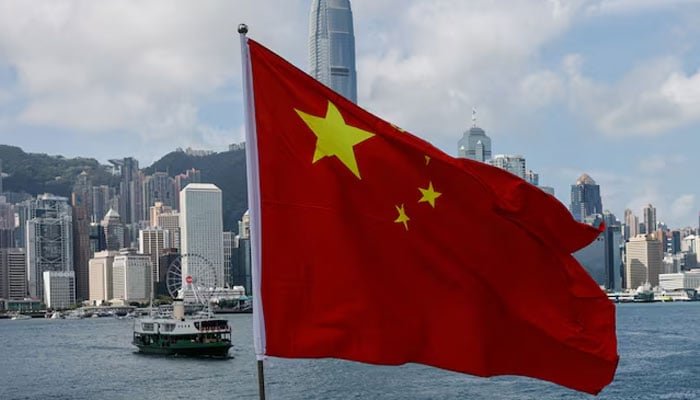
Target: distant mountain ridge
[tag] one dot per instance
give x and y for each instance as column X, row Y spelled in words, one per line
column 37, row 173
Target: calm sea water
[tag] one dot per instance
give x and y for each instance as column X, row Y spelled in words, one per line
column 659, row 345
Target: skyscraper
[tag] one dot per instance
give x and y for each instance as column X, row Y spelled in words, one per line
column 332, row 46
column 13, row 274
column 515, row 164
column 649, row 219
column 152, row 241
column 643, row 263
column 474, row 144
column 585, row 198
column 49, row 240
column 631, row 224
column 159, row 187
column 202, row 233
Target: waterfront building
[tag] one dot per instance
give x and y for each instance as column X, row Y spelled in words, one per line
column 592, row 259
column 532, row 177
column 59, row 289
column 132, row 277
column 585, row 198
column 613, row 251
column 49, row 240
column 13, row 274
column 158, row 188
column 643, row 261
column 547, row 189
column 680, row 280
column 332, row 46
column 152, row 241
column 515, row 164
column 101, row 274
column 113, row 230
column 202, row 233
column 81, row 246
column 649, row 213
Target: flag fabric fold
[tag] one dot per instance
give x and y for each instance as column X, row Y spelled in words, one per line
column 375, row 246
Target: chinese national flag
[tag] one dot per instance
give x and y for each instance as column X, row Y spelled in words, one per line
column 377, row 247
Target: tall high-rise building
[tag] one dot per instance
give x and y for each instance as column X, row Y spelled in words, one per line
column 152, row 241
column 228, row 254
column 202, row 233
column 631, row 225
column 171, row 222
column 158, row 188
column 113, row 231
column 13, row 274
column 49, row 240
column 585, row 198
column 7, row 224
column 81, row 249
column 103, row 198
column 132, row 276
column 515, row 164
column 649, row 219
column 181, row 180
column 101, row 285
column 332, row 46
column 643, row 261
column 474, row 144
column 241, row 256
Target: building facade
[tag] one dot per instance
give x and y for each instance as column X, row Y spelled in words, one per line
column 202, row 234
column 59, row 289
column 13, row 274
column 152, row 241
column 515, row 164
column 101, row 274
column 132, row 277
column 585, row 198
column 474, row 145
column 643, row 261
column 332, row 46
column 49, row 240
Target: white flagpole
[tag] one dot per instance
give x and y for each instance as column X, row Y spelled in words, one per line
column 253, row 176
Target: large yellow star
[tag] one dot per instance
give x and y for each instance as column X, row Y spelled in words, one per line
column 403, row 218
column 429, row 195
column 334, row 137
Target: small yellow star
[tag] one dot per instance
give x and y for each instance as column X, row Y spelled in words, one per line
column 403, row 218
column 429, row 195
column 398, row 128
column 334, row 137
column 427, row 160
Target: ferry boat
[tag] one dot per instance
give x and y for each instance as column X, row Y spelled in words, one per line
column 201, row 334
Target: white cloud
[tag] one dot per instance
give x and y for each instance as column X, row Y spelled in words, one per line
column 601, row 7
column 137, row 67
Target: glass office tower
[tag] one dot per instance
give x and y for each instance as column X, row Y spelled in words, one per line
column 332, row 46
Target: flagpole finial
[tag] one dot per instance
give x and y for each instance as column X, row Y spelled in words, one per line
column 242, row 29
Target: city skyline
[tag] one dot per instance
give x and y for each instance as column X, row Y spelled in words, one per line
column 550, row 81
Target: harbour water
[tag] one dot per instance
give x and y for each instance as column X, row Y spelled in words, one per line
column 90, row 359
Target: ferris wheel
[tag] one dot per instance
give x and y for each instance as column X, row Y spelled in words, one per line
column 201, row 275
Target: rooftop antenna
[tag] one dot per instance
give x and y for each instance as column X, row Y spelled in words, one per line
column 473, row 117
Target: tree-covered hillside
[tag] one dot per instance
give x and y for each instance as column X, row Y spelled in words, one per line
column 42, row 173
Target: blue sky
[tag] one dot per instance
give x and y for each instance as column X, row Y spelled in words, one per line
column 606, row 87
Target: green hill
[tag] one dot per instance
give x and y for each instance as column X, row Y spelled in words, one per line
column 41, row 173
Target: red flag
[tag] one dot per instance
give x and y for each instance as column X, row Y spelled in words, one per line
column 377, row 247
